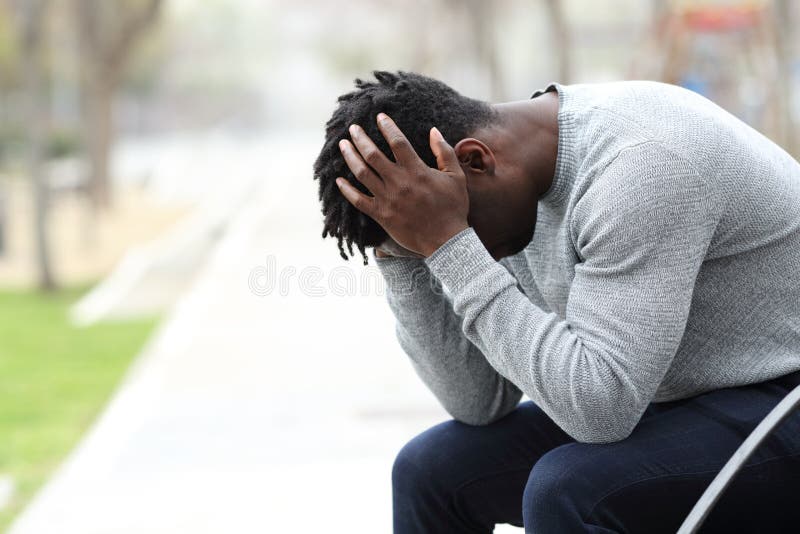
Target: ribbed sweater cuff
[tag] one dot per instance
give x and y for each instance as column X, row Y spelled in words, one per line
column 403, row 275
column 462, row 261
column 402, row 267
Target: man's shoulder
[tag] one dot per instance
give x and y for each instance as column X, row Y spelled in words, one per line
column 661, row 109
column 604, row 120
column 623, row 94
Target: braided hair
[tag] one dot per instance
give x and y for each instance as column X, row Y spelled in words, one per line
column 416, row 103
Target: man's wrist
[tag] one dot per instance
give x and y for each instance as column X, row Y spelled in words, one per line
column 449, row 234
column 464, row 262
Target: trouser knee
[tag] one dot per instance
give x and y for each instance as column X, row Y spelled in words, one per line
column 556, row 495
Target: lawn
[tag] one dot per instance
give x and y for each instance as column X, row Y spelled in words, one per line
column 54, row 380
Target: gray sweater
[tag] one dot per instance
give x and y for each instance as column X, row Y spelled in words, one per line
column 665, row 263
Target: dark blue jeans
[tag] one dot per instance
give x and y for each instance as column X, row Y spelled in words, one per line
column 525, row 471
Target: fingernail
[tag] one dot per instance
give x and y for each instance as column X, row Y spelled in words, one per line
column 437, row 133
column 342, row 145
column 382, row 117
column 353, row 129
column 339, row 182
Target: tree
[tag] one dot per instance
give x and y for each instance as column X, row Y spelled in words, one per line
column 561, row 39
column 31, row 16
column 108, row 32
column 484, row 38
column 784, row 26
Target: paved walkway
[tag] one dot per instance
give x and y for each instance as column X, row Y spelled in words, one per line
column 252, row 412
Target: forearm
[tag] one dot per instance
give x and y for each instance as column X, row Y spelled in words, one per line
column 429, row 331
column 588, row 386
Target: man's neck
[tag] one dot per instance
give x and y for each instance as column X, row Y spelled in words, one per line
column 529, row 132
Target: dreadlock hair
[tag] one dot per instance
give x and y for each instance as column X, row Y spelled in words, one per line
column 416, row 103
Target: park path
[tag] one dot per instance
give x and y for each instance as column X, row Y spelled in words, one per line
column 250, row 410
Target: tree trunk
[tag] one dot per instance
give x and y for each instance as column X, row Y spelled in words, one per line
column 561, row 39
column 98, row 107
column 35, row 106
column 108, row 32
column 785, row 46
column 484, row 38
column 3, row 220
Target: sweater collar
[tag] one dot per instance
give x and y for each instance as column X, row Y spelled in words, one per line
column 566, row 164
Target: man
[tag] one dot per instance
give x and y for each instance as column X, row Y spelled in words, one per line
column 653, row 317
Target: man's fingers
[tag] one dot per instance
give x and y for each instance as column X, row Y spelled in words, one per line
column 403, row 152
column 369, row 152
column 359, row 200
column 446, row 158
column 359, row 168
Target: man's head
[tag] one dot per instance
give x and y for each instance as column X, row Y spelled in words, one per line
column 416, row 103
column 484, row 144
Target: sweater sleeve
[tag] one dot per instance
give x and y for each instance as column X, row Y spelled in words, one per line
column 641, row 230
column 429, row 331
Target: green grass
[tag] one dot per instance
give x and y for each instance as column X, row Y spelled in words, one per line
column 54, row 380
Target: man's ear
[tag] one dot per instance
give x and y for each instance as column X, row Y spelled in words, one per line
column 475, row 156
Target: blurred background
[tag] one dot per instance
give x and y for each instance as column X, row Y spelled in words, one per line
column 179, row 350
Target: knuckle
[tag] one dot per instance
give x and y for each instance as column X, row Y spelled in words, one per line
column 362, row 173
column 371, row 155
column 397, row 141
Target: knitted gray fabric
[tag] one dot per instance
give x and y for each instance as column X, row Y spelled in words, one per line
column 665, row 263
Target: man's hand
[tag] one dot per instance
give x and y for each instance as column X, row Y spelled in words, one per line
column 418, row 206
